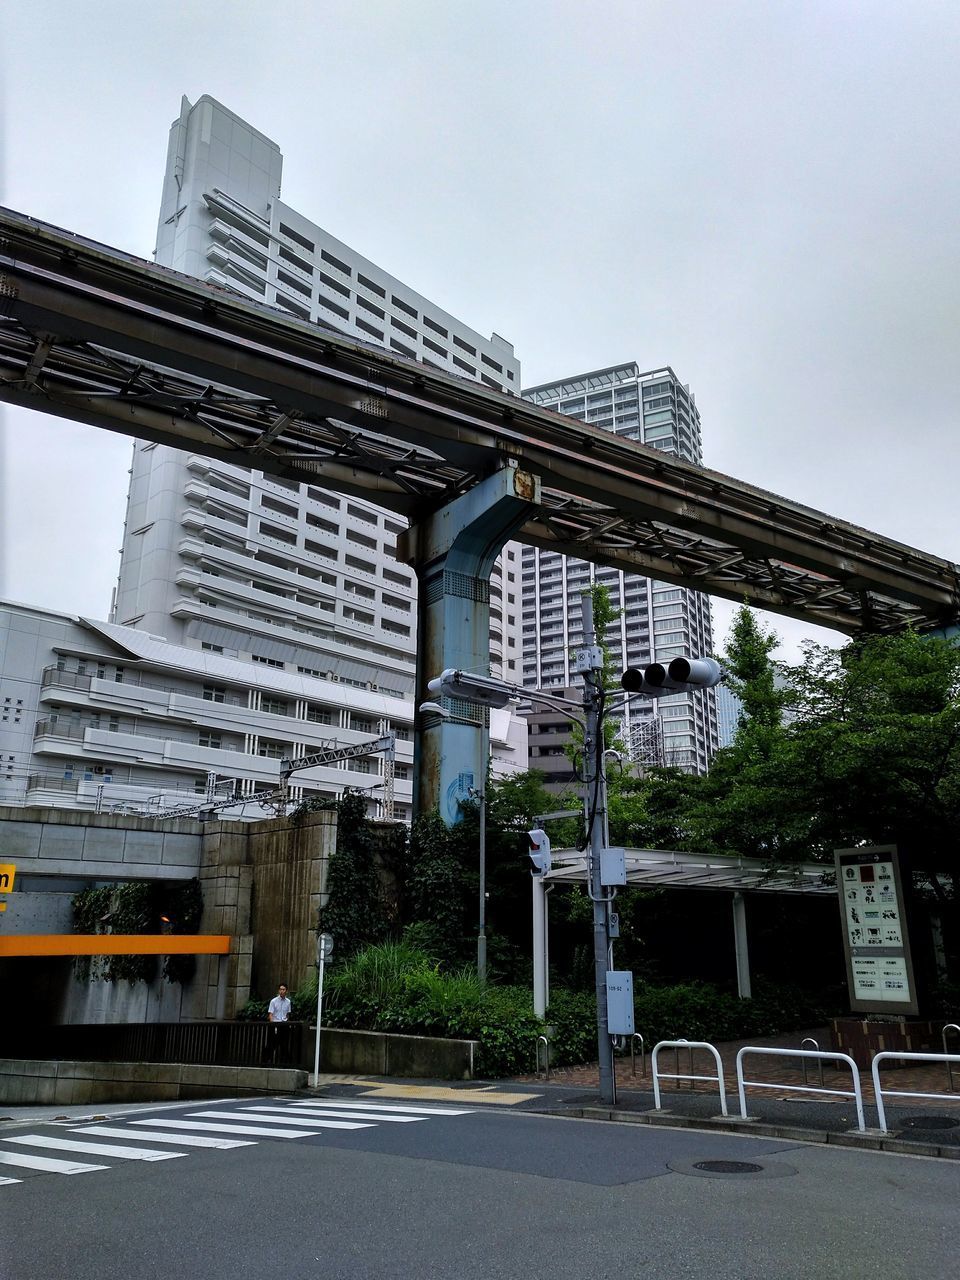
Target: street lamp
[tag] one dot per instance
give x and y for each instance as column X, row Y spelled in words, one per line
column 481, row 798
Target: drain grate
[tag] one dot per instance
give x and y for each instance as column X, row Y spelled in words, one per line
column 727, row 1166
column 929, row 1122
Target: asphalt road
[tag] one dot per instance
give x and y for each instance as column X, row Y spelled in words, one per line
column 430, row 1190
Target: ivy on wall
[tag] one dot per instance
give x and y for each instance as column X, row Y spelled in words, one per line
column 132, row 907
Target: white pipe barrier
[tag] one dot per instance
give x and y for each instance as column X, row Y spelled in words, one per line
column 678, row 1075
column 948, row 1058
column 951, row 1026
column 856, row 1093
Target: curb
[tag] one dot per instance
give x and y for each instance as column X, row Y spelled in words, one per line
column 872, row 1140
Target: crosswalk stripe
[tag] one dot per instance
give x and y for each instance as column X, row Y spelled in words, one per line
column 259, row 1131
column 329, row 1114
column 181, row 1139
column 48, row 1165
column 352, row 1105
column 94, row 1148
column 286, row 1119
column 6, row 1181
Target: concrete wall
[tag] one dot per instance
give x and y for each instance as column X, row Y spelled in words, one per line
column 263, row 883
column 104, row 846
column 26, row 1082
column 373, row 1053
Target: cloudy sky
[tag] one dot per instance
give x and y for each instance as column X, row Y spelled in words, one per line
column 762, row 194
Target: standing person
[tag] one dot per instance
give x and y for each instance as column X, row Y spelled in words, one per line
column 278, row 1011
column 279, row 1007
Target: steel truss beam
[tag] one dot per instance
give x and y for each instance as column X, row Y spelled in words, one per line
column 97, row 336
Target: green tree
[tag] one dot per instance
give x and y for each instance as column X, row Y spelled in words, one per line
column 354, row 912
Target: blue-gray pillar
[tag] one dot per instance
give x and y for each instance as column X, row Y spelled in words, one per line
column 453, row 551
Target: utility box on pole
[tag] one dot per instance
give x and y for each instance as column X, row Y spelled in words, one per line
column 620, row 1002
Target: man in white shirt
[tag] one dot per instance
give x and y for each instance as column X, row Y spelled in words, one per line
column 278, row 1011
column 279, row 1007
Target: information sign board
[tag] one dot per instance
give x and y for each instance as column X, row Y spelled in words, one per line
column 875, row 941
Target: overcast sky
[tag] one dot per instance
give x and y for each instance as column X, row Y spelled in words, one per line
column 762, row 194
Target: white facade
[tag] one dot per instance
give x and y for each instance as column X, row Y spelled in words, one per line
column 229, row 561
column 101, row 716
column 657, row 621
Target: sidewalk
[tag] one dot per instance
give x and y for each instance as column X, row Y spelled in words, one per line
column 932, row 1124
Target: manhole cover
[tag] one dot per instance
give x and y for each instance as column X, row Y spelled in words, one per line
column 731, row 1168
column 727, row 1166
column 929, row 1122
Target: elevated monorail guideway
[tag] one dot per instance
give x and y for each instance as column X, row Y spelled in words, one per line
column 98, row 336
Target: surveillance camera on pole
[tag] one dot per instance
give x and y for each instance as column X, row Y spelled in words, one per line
column 538, row 847
column 482, row 691
column 682, row 675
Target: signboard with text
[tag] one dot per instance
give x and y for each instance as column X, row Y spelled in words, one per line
column 875, row 941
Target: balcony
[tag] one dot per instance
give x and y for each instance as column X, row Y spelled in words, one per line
column 55, row 678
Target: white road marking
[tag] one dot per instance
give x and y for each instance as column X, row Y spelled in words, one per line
column 181, row 1139
column 286, row 1118
column 6, row 1181
column 387, row 1106
column 44, row 1162
column 94, row 1148
column 260, row 1131
column 329, row 1114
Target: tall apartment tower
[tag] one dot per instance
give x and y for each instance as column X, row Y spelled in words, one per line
column 243, row 564
column 657, row 622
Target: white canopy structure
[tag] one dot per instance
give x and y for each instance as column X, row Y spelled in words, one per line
column 671, row 869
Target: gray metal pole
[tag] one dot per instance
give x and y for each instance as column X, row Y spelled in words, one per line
column 595, row 804
column 482, row 934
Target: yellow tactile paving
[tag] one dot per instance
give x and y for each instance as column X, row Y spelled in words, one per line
column 435, row 1093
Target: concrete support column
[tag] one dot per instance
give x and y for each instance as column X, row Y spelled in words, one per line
column 740, row 943
column 453, row 551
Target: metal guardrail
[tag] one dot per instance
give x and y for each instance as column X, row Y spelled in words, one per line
column 951, row 1026
column 226, row 1044
column 542, row 1040
column 643, row 1054
column 678, row 1075
column 856, row 1093
column 816, row 1045
column 904, row 1093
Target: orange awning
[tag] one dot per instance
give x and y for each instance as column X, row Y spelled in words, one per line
column 114, row 944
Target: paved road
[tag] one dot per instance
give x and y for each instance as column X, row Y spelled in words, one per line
column 344, row 1187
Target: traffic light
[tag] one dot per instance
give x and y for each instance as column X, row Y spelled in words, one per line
column 538, row 847
column 682, row 675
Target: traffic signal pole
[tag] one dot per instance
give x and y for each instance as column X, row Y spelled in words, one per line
column 595, row 808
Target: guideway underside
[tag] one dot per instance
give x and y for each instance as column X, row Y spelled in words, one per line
column 95, row 335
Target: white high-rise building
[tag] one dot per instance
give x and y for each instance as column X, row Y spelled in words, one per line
column 242, row 564
column 656, row 621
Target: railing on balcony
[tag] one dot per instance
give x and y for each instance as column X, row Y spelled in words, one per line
column 226, row 1044
column 65, row 679
column 39, row 782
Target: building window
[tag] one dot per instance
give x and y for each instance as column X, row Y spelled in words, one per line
column 207, row 739
column 335, row 262
column 214, row 693
column 267, row 662
column 274, row 706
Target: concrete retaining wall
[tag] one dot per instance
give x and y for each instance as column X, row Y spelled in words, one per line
column 373, row 1053
column 26, row 1082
